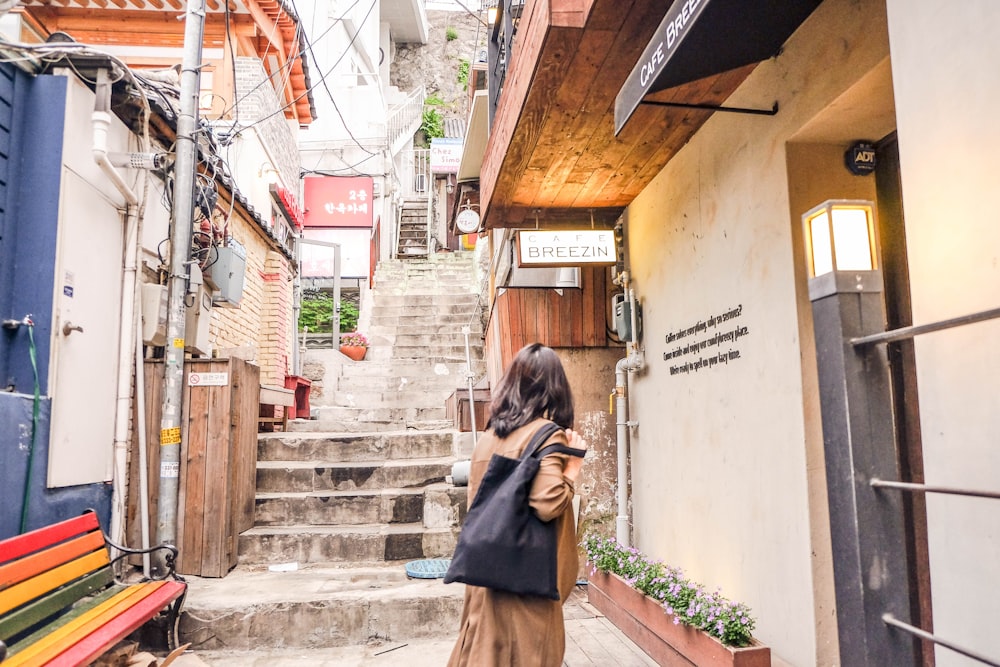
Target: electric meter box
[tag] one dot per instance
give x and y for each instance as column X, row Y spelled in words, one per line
column 227, row 275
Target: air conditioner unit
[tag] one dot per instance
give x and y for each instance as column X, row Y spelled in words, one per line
column 376, row 188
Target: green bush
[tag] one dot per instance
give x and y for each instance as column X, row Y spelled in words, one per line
column 463, row 74
column 450, row 34
column 432, row 124
column 317, row 313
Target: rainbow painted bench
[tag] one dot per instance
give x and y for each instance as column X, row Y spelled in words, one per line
column 60, row 603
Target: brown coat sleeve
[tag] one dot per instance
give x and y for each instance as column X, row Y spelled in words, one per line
column 552, row 492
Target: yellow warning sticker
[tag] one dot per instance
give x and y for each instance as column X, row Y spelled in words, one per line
column 178, row 342
column 170, row 436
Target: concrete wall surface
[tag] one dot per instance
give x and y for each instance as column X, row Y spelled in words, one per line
column 727, row 469
column 947, row 92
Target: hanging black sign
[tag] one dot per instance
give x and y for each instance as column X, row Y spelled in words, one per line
column 860, row 158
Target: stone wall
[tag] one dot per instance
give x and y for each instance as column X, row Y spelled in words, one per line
column 435, row 65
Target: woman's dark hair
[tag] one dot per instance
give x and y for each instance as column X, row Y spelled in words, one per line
column 534, row 386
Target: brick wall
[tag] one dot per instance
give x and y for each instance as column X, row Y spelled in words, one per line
column 257, row 106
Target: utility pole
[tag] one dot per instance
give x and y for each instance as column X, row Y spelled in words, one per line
column 182, row 216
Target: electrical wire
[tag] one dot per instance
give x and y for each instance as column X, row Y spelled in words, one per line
column 322, row 78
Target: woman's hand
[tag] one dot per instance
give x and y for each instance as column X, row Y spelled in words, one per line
column 574, row 463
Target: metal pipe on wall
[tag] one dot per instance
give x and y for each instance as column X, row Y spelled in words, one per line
column 632, row 362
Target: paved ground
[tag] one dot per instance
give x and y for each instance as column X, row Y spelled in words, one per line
column 590, row 641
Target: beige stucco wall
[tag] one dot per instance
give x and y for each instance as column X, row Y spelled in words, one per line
column 947, row 90
column 728, row 477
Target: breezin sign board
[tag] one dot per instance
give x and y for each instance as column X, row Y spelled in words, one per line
column 566, row 247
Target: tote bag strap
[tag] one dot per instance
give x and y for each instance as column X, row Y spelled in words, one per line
column 543, row 433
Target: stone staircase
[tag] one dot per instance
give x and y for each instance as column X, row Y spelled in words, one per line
column 344, row 500
column 413, row 228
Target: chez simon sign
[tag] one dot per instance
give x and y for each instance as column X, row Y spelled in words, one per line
column 567, row 247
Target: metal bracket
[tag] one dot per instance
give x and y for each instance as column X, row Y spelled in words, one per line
column 773, row 111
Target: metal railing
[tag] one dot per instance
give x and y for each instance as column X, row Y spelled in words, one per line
column 404, row 120
column 908, row 333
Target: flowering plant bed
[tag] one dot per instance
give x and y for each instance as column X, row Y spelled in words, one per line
column 671, row 618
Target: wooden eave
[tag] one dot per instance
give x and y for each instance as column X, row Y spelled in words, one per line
column 552, row 156
column 263, row 25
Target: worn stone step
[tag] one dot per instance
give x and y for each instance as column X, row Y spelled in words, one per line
column 428, row 321
column 417, row 301
column 314, row 426
column 348, row 448
column 435, row 506
column 337, row 415
column 299, row 476
column 419, row 398
column 403, row 369
column 317, row 607
column 345, row 544
column 394, row 383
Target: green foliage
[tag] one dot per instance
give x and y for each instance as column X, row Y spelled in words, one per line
column 463, row 74
column 348, row 316
column 684, row 600
column 433, row 100
column 450, row 34
column 432, row 124
column 317, row 313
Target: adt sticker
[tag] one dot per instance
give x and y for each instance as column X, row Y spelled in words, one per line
column 68, row 290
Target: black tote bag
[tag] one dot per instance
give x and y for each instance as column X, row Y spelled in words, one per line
column 503, row 544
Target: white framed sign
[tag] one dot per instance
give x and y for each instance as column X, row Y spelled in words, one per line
column 565, row 247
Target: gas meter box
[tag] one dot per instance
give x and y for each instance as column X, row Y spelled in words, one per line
column 623, row 318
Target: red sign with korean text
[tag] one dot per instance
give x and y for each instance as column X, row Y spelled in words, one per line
column 338, row 201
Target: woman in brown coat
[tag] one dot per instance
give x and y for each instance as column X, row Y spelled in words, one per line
column 504, row 629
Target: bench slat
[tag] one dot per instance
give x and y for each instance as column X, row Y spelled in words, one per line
column 84, row 638
column 114, row 630
column 15, row 596
column 16, row 547
column 20, row 620
column 48, row 559
column 82, row 607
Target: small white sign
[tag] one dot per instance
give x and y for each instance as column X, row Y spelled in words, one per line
column 170, row 469
column 568, row 247
column 446, row 155
column 208, row 379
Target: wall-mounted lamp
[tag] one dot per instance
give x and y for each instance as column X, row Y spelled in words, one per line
column 449, row 184
column 268, row 173
column 491, row 14
column 840, row 240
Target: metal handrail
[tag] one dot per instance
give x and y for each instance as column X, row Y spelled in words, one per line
column 889, row 619
column 928, row 488
column 904, row 333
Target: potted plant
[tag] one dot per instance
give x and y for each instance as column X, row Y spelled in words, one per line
column 666, row 614
column 354, row 345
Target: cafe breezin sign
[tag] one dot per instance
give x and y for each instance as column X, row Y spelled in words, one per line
column 668, row 37
column 568, row 247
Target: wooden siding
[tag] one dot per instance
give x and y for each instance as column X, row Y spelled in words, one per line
column 218, row 464
column 520, row 316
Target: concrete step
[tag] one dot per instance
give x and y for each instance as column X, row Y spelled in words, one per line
column 410, row 369
column 377, row 652
column 345, row 544
column 381, row 383
column 317, row 607
column 413, row 303
column 450, row 321
column 347, row 448
column 314, row 426
column 434, row 506
column 353, row 420
column 425, row 398
column 306, row 476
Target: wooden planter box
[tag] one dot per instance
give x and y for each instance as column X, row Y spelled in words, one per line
column 644, row 621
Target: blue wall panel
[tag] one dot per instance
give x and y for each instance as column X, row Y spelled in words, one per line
column 45, row 506
column 32, row 117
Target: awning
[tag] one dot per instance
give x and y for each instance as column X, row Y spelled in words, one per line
column 699, row 38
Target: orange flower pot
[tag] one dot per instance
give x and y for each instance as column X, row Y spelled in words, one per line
column 355, row 352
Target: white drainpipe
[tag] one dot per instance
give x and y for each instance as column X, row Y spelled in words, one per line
column 632, row 362
column 101, row 121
